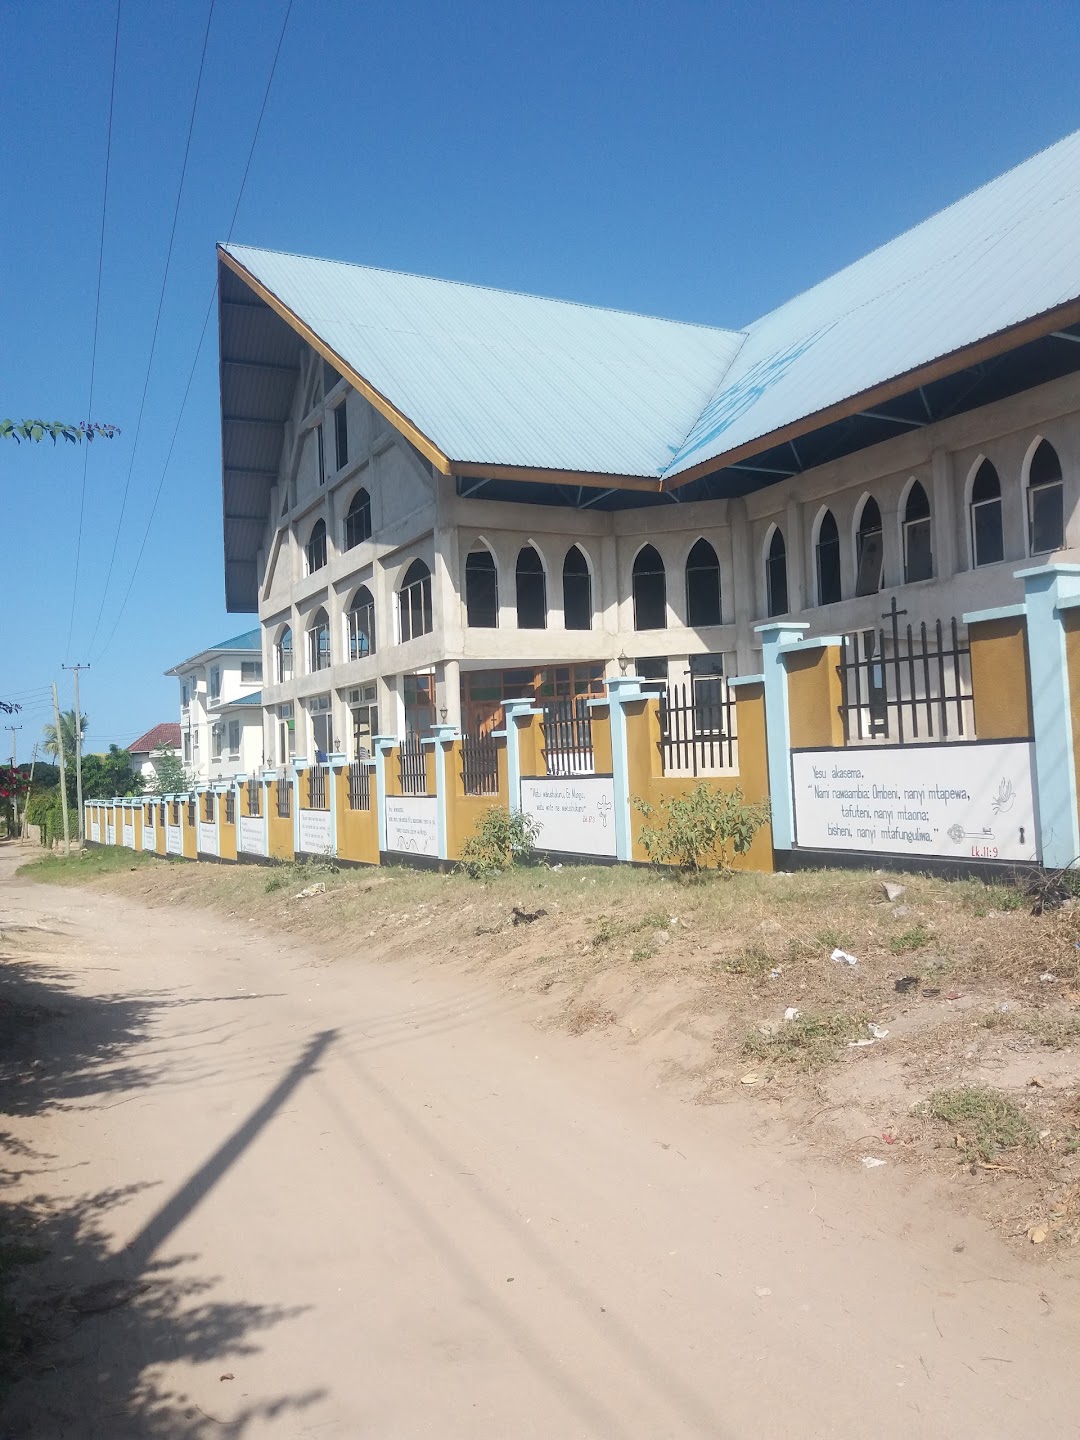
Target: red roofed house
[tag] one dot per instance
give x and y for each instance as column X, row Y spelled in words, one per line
column 146, row 750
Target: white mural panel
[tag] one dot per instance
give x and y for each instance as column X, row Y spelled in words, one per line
column 208, row 838
column 110, row 833
column 129, row 834
column 576, row 816
column 174, row 839
column 961, row 802
column 95, row 830
column 252, row 834
column 412, row 824
column 316, row 832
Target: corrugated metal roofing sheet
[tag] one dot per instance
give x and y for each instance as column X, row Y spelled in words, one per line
column 499, row 378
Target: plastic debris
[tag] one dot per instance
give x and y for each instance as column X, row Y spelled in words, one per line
column 877, row 1032
column 775, row 974
column 843, row 958
column 750, row 1080
column 906, row 983
column 791, row 1013
column 871, row 1162
column 860, row 1044
column 309, row 890
column 1048, row 977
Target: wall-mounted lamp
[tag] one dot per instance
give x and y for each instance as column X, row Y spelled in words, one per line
column 442, row 714
column 623, row 663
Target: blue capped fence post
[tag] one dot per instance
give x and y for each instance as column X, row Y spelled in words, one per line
column 1049, row 591
column 777, row 636
column 382, row 744
column 621, row 690
column 335, row 763
column 513, row 709
column 444, row 736
column 299, row 764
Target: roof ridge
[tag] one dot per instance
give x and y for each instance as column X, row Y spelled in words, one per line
column 230, row 246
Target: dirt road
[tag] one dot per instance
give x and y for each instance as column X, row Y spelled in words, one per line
column 383, row 1203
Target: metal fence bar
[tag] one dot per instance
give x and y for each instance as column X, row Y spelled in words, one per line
column 698, row 728
column 568, row 744
column 479, row 765
column 360, row 786
column 317, row 788
column 412, row 769
column 284, row 798
column 254, row 790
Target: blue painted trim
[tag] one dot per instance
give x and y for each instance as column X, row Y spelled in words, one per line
column 819, row 642
column 737, row 681
column 1034, row 571
column 1045, row 590
column 1000, row 612
column 775, row 639
column 1069, row 602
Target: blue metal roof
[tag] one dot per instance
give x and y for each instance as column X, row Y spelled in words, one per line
column 250, row 640
column 255, row 698
column 498, row 378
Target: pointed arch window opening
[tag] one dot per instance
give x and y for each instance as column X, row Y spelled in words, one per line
column 358, row 520
column 649, row 590
column 481, row 590
column 319, row 642
column 577, row 591
column 869, row 550
column 414, row 602
column 531, row 590
column 703, row 599
column 827, row 557
column 918, row 540
column 283, row 652
column 1046, row 501
column 987, row 533
column 316, row 547
column 361, row 624
column 776, row 581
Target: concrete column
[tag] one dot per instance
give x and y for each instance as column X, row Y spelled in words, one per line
column 444, row 736
column 620, row 692
column 512, row 709
column 775, row 637
column 796, row 557
column 299, row 765
column 335, row 764
column 744, row 585
column 1046, row 587
column 383, row 744
column 892, row 547
column 448, row 692
column 943, row 511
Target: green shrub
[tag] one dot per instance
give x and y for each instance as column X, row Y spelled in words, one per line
column 810, row 1040
column 986, row 1121
column 704, row 828
column 46, row 809
column 503, row 839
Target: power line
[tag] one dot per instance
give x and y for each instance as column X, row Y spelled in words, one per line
column 157, row 326
column 202, row 334
column 97, row 318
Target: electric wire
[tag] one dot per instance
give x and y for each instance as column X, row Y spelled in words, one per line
column 97, row 319
column 157, row 326
column 202, row 336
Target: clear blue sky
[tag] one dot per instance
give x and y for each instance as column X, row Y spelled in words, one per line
column 697, row 160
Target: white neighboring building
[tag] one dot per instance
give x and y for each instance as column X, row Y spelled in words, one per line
column 148, row 749
column 221, row 728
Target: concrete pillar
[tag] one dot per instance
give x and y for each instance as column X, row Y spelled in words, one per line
column 512, row 709
column 383, row 744
column 796, row 557
column 448, row 693
column 744, row 576
column 299, row 765
column 334, row 764
column 775, row 638
column 943, row 511
column 620, row 692
column 1045, row 588
column 444, row 737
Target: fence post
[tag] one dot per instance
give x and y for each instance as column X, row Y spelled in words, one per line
column 1048, row 591
column 621, row 690
column 335, row 761
column 512, row 709
column 382, row 744
column 445, row 735
column 777, row 636
column 299, row 765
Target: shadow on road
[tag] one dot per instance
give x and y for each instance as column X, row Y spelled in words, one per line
column 86, row 1333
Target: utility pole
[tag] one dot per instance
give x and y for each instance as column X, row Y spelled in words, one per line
column 26, row 798
column 78, row 743
column 63, row 771
column 15, row 770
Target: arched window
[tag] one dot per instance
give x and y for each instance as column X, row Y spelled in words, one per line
column 316, row 547
column 702, row 585
column 414, row 602
column 360, row 619
column 576, row 591
column 1046, row 501
column 987, row 537
column 869, row 550
column 776, row 574
column 650, row 590
column 531, row 590
column 318, row 638
column 918, row 552
column 481, row 589
column 358, row 519
column 283, row 652
column 827, row 555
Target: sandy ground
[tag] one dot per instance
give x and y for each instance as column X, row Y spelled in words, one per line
column 384, row 1203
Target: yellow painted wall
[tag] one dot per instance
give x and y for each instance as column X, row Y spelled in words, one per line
column 464, row 812
column 357, row 830
column 279, row 828
column 227, row 831
column 190, row 832
column 646, row 778
column 531, row 745
column 1000, row 681
column 814, row 697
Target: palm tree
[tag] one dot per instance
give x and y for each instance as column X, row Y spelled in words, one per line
column 67, row 735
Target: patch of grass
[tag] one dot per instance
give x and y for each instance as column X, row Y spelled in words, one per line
column 83, row 865
column 1056, row 1032
column 643, row 952
column 811, row 1040
column 908, row 940
column 985, row 1121
column 588, row 1016
column 830, row 939
column 752, row 959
